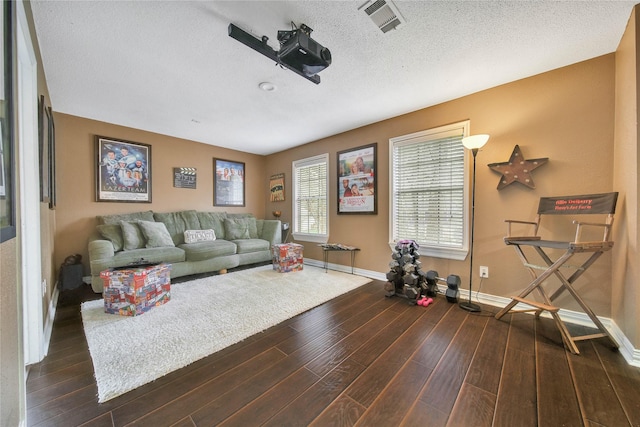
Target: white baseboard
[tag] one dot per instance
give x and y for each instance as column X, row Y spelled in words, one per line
column 630, row 354
column 346, row 269
column 48, row 324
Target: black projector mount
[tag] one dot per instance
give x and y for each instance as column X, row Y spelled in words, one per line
column 298, row 51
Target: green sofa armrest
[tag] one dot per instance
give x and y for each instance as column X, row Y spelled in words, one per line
column 100, row 249
column 271, row 231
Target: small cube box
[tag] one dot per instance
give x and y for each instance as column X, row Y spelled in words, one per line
column 287, row 257
column 134, row 291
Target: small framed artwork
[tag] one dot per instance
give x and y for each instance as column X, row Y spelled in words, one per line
column 276, row 188
column 228, row 183
column 357, row 184
column 184, row 178
column 123, row 171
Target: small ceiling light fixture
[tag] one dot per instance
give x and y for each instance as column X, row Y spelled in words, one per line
column 267, row 87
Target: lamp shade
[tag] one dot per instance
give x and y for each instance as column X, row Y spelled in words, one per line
column 475, row 141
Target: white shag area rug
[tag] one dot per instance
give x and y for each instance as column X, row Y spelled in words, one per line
column 202, row 317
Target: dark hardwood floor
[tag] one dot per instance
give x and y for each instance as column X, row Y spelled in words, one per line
column 360, row 359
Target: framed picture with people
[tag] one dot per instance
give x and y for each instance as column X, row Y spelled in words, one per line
column 123, row 171
column 357, row 185
column 228, row 183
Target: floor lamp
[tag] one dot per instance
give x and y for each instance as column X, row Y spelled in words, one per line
column 473, row 143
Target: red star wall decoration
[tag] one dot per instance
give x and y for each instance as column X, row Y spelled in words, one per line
column 517, row 169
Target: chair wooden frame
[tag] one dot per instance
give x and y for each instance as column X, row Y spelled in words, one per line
column 570, row 205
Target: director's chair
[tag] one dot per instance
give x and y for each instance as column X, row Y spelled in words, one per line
column 571, row 205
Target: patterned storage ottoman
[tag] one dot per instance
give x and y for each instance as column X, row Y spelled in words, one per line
column 132, row 291
column 287, row 257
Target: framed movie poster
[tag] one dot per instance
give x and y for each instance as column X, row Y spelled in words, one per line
column 357, row 184
column 276, row 188
column 228, row 183
column 43, row 135
column 123, row 171
column 51, row 158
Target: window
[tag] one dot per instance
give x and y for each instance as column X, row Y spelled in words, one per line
column 429, row 197
column 310, row 199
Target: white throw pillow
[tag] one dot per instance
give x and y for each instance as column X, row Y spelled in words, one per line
column 193, row 236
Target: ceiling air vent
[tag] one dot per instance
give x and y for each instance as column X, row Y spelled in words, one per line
column 384, row 14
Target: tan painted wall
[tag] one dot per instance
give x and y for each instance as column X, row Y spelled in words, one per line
column 10, row 349
column 12, row 409
column 626, row 261
column 566, row 115
column 77, row 208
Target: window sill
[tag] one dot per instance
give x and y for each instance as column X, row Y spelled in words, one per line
column 446, row 253
column 315, row 238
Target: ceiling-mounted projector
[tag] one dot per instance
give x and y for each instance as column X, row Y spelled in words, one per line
column 298, row 51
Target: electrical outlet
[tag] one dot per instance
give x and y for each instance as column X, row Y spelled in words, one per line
column 484, row 271
column 44, row 287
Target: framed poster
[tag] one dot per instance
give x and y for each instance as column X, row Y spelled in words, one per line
column 43, row 142
column 357, row 181
column 51, row 158
column 123, row 171
column 228, row 183
column 276, row 188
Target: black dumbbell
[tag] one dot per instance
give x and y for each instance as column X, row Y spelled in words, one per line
column 453, row 283
column 411, row 279
column 432, row 277
column 407, row 258
column 392, row 275
column 411, row 293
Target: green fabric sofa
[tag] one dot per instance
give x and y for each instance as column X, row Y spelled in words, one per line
column 226, row 241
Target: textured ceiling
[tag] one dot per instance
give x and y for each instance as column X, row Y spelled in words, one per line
column 171, row 68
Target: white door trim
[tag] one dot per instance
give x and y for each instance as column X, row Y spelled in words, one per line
column 29, row 192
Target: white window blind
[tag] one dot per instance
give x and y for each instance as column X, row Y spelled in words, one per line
column 310, row 208
column 428, row 185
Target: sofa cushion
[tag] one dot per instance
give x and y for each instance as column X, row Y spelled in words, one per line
column 134, row 216
column 250, row 219
column 178, row 222
column 259, row 226
column 132, row 236
column 113, row 233
column 124, row 258
column 240, row 228
column 156, row 234
column 251, row 245
column 193, row 236
column 214, row 221
column 206, row 250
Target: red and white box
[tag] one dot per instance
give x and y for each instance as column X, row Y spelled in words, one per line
column 136, row 290
column 287, row 257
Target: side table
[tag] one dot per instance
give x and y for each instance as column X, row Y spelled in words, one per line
column 328, row 247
